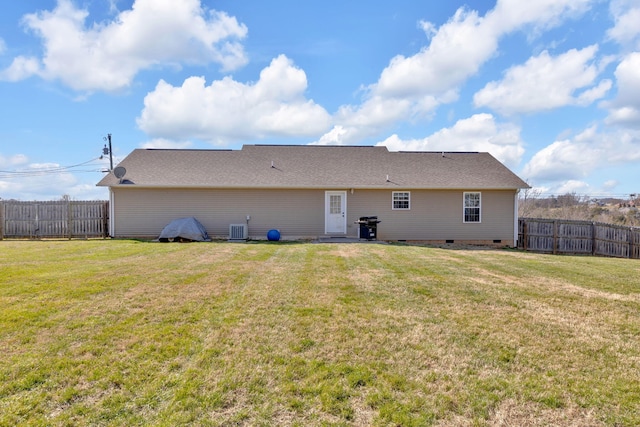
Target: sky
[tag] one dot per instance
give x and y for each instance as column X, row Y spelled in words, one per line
column 551, row 88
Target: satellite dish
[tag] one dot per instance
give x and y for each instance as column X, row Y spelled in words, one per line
column 119, row 172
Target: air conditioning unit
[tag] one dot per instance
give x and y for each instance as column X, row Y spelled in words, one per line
column 238, row 232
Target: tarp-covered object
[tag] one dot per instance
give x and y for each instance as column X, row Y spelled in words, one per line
column 184, row 229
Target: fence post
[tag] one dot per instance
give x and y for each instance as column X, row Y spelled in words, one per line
column 525, row 233
column 69, row 219
column 35, row 226
column 1, row 220
column 555, row 236
column 593, row 238
column 105, row 217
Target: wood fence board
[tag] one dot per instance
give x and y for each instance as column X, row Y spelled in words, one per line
column 68, row 219
column 578, row 237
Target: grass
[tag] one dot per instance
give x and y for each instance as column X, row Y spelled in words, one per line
column 115, row 333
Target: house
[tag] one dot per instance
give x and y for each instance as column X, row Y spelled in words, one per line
column 317, row 191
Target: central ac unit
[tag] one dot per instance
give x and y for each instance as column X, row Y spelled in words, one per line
column 238, row 232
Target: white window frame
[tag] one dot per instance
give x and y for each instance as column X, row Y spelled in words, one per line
column 465, row 207
column 394, row 200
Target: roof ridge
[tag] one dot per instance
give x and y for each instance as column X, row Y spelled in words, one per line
column 440, row 152
column 187, row 149
column 313, row 146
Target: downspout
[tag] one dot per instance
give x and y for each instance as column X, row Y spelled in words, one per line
column 515, row 218
column 112, row 220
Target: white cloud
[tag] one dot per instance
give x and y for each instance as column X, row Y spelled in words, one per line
column 375, row 114
column 3, row 46
column 13, row 161
column 536, row 16
column 593, row 94
column 229, row 110
column 107, row 56
column 113, row 6
column 479, row 132
column 576, row 158
column 456, row 51
column 35, row 181
column 545, row 82
column 625, row 109
column 626, row 14
column 336, row 136
column 579, row 187
column 20, row 68
column 371, row 117
column 418, row 84
column 573, row 186
column 562, row 160
column 166, row 143
column 22, row 180
column 460, row 46
column 629, row 116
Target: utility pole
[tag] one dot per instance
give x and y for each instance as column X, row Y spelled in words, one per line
column 108, row 151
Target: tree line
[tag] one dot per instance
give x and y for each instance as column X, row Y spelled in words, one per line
column 580, row 207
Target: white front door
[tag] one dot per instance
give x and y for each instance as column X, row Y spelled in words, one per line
column 335, row 207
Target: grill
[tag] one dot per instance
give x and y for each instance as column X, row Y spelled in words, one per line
column 368, row 227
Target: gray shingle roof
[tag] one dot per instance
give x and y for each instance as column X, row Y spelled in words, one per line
column 305, row 166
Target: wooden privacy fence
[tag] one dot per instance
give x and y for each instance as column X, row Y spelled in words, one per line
column 578, row 237
column 60, row 219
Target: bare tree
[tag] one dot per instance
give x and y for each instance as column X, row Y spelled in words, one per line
column 527, row 201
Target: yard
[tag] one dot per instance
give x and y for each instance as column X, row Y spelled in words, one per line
column 124, row 332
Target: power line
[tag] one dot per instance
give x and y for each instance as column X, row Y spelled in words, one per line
column 580, row 196
column 27, row 173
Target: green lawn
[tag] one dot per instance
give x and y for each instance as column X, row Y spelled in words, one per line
column 135, row 333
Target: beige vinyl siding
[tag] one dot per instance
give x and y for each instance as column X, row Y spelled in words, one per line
column 433, row 215
column 145, row 212
column 436, row 215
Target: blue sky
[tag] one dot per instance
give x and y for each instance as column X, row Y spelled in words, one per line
column 549, row 87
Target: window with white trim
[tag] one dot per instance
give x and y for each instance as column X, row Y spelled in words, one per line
column 472, row 207
column 401, row 200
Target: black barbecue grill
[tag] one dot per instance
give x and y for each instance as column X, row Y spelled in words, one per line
column 368, row 227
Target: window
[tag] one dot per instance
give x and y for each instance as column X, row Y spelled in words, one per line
column 401, row 200
column 335, row 204
column 472, row 207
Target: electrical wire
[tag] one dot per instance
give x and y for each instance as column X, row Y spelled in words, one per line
column 579, row 196
column 27, row 173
